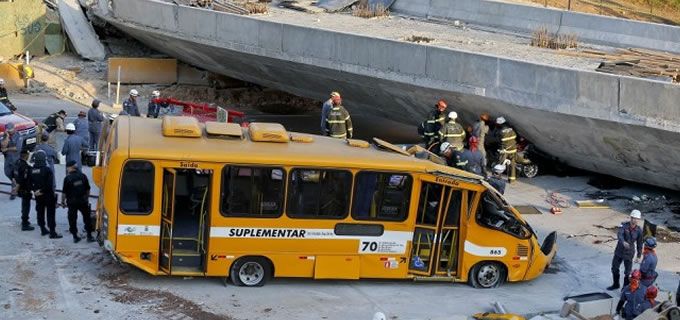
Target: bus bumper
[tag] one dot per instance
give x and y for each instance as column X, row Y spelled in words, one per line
column 542, row 258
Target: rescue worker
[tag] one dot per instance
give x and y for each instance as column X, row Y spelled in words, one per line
column 156, row 105
column 629, row 242
column 22, row 177
column 76, row 197
column 429, row 129
column 508, row 140
column 55, row 127
column 130, row 104
column 496, row 180
column 452, row 132
column 648, row 264
column 650, row 298
column 45, row 198
column 480, row 130
column 338, row 122
column 632, row 298
column 326, row 109
column 73, row 146
column 82, row 127
column 95, row 119
column 10, row 145
column 474, row 159
column 50, row 154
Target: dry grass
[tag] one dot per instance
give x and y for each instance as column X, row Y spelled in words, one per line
column 257, row 7
column 363, row 10
column 544, row 39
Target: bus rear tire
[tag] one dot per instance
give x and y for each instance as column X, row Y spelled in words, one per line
column 250, row 271
column 487, row 274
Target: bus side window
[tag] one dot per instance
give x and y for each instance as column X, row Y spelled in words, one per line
column 136, row 189
column 314, row 193
column 381, row 196
column 252, row 191
column 428, row 205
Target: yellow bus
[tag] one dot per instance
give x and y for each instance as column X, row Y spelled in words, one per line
column 183, row 198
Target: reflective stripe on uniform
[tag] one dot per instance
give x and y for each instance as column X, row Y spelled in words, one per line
column 452, row 135
column 462, row 163
column 513, row 137
column 335, row 121
column 339, row 135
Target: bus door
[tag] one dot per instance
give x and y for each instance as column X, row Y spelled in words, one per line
column 434, row 250
column 184, row 221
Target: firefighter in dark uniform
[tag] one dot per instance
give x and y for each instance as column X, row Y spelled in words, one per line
column 429, row 129
column 22, row 176
column 452, row 132
column 508, row 139
column 338, row 122
column 75, row 197
column 42, row 185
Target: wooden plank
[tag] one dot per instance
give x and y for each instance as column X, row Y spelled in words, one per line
column 143, row 70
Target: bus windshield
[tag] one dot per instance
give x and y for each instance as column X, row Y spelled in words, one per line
column 495, row 213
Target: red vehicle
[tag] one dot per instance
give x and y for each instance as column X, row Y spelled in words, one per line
column 203, row 111
column 24, row 126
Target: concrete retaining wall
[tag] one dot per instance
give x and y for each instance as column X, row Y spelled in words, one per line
column 588, row 27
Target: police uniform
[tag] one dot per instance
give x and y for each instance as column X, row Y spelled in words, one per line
column 130, row 107
column 633, row 237
column 508, row 140
column 73, row 146
column 45, row 200
column 22, row 176
column 76, row 192
column 95, row 119
column 82, row 128
column 339, row 123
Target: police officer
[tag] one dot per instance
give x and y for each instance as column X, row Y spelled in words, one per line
column 480, row 130
column 429, row 129
column 629, row 242
column 45, row 199
column 496, row 180
column 95, row 119
column 73, row 146
column 22, row 177
column 82, row 127
column 10, row 145
column 632, row 298
column 130, row 104
column 452, row 132
column 51, row 155
column 54, row 125
column 338, row 122
column 508, row 139
column 76, row 197
column 648, row 264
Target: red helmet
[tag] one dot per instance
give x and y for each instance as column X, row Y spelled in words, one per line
column 651, row 293
column 636, row 274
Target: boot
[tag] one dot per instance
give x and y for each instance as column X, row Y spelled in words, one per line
column 76, row 238
column 55, row 235
column 44, row 231
column 626, row 280
column 615, row 284
column 27, row 227
column 90, row 238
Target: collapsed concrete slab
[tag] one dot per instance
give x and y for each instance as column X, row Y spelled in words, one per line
column 79, row 30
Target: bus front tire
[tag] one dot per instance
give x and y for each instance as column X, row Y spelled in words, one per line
column 487, row 274
column 250, row 271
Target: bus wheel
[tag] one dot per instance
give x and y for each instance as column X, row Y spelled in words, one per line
column 250, row 271
column 487, row 275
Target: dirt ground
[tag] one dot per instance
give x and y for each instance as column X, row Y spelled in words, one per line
column 629, row 9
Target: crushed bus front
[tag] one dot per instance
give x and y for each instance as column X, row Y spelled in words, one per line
column 543, row 257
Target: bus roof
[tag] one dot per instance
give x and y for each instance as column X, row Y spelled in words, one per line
column 144, row 140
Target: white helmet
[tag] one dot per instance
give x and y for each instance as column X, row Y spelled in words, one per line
column 134, row 93
column 499, row 168
column 453, row 115
column 70, row 127
column 500, row 120
column 2, row 81
column 156, row 94
column 636, row 214
column 444, row 146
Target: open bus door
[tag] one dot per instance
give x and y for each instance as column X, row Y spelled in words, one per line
column 435, row 247
column 167, row 215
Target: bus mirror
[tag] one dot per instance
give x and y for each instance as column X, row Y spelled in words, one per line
column 97, row 176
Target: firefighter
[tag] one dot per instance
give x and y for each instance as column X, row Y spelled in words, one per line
column 95, row 119
column 50, row 154
column 76, row 197
column 55, row 127
column 429, row 129
column 452, row 156
column 480, row 130
column 10, row 145
column 45, row 198
column 452, row 132
column 648, row 264
column 130, row 104
column 155, row 105
column 508, row 139
column 82, row 127
column 496, row 180
column 338, row 122
column 73, row 146
column 22, row 177
column 629, row 242
column 632, row 298
column 326, row 109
